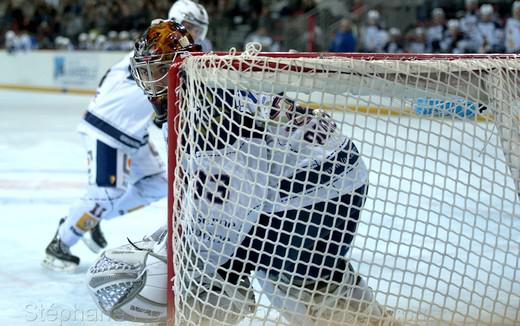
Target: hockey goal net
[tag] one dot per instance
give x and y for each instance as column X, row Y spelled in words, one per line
column 260, row 230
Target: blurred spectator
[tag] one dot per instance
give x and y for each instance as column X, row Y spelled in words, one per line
column 15, row 16
column 436, row 31
column 469, row 26
column 513, row 30
column 245, row 12
column 344, row 39
column 17, row 42
column 491, row 33
column 100, row 43
column 83, row 42
column 308, row 5
column 394, row 45
column 374, row 37
column 125, row 43
column 468, row 23
column 261, row 35
column 38, row 23
column 417, row 42
column 10, row 41
column 63, row 43
column 92, row 39
column 112, row 41
column 53, row 3
column 454, row 41
column 25, row 42
column 72, row 22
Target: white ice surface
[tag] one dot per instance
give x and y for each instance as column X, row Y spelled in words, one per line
column 426, row 242
column 42, row 170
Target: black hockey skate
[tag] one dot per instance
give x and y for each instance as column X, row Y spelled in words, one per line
column 95, row 240
column 58, row 256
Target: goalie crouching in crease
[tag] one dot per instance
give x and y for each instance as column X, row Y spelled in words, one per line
column 271, row 190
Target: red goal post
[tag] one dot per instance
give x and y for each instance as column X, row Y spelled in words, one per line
column 469, row 104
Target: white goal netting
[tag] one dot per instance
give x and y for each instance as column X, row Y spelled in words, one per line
column 345, row 190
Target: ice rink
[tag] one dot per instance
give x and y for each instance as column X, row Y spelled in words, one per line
column 42, row 170
column 410, row 261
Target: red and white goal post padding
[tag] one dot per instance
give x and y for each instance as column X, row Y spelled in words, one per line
column 438, row 236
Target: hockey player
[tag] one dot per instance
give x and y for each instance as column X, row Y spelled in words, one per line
column 492, row 34
column 512, row 42
column 469, row 27
column 125, row 171
column 435, row 33
column 374, row 36
column 468, row 23
column 272, row 188
column 195, row 18
column 455, row 40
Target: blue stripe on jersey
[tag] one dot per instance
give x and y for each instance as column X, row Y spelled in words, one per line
column 338, row 163
column 114, row 132
column 106, row 165
column 252, row 97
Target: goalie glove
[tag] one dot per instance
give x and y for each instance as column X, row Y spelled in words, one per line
column 129, row 282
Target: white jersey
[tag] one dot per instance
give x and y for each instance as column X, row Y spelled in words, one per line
column 468, row 23
column 472, row 36
column 374, row 38
column 120, row 113
column 492, row 36
column 294, row 159
column 313, row 162
column 512, row 43
column 434, row 36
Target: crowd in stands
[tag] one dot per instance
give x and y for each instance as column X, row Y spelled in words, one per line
column 477, row 29
column 112, row 25
column 82, row 24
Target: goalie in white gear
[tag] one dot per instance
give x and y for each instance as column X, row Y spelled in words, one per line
column 125, row 171
column 270, row 187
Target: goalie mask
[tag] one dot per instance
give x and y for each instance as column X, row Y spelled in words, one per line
column 154, row 52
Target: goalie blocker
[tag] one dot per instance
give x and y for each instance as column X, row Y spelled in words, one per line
column 296, row 210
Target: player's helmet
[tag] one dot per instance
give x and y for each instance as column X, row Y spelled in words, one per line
column 154, row 52
column 192, row 15
column 486, row 10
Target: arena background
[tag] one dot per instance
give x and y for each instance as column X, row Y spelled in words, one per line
column 53, row 53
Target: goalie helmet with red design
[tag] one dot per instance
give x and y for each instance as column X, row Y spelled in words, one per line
column 154, row 52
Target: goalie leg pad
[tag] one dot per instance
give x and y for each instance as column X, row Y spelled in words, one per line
column 130, row 284
column 211, row 299
column 345, row 299
column 217, row 302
